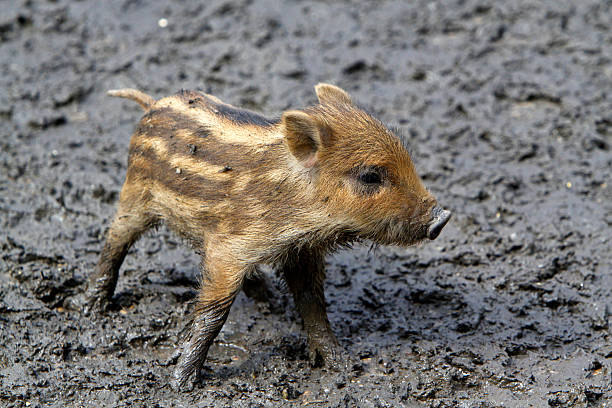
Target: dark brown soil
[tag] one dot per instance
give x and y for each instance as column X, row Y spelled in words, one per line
column 508, row 107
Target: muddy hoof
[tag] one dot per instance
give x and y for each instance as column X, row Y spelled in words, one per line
column 330, row 356
column 94, row 304
column 184, row 379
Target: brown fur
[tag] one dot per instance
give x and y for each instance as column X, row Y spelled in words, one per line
column 245, row 190
column 140, row 97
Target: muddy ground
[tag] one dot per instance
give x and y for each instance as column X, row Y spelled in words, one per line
column 507, row 106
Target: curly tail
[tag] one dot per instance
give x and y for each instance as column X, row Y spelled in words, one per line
column 140, row 97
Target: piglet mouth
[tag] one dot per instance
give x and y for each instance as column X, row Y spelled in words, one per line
column 440, row 218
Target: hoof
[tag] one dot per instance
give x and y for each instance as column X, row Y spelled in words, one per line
column 184, row 380
column 95, row 304
column 329, row 355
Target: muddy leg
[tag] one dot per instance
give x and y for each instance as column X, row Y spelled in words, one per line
column 305, row 273
column 221, row 281
column 129, row 223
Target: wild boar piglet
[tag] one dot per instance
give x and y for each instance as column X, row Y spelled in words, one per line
column 244, row 190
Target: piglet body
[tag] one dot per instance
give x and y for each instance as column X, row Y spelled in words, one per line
column 247, row 190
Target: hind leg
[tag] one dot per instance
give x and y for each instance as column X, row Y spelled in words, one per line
column 131, row 220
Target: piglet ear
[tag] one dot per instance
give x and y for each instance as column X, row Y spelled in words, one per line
column 302, row 136
column 332, row 95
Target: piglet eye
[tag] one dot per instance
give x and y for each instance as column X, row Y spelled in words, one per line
column 370, row 177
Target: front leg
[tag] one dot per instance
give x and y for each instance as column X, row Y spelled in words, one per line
column 221, row 281
column 304, row 272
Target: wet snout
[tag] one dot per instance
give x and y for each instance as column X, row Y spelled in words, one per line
column 439, row 219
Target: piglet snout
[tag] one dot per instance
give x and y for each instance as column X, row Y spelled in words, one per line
column 439, row 219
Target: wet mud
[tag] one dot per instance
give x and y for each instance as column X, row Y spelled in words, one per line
column 507, row 106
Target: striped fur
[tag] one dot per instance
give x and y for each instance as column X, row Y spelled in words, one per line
column 245, row 189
